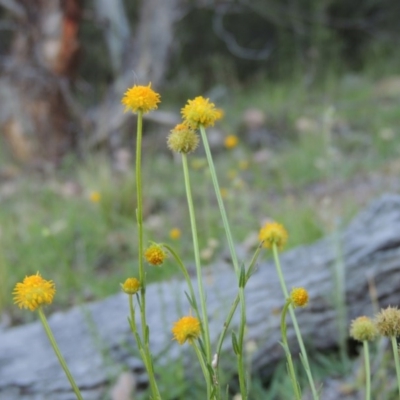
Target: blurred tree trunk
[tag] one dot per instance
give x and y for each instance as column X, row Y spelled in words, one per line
column 146, row 60
column 35, row 117
column 38, row 117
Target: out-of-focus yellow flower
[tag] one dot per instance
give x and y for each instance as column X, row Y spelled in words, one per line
column 271, row 233
column 186, row 329
column 140, row 98
column 200, row 112
column 232, row 174
column 175, row 233
column 198, row 163
column 224, row 192
column 243, row 164
column 231, row 141
column 34, row 292
column 131, row 285
column 155, row 255
column 95, row 197
column 299, row 297
column 183, row 139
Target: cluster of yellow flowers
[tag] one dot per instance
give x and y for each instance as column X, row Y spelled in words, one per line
column 199, row 113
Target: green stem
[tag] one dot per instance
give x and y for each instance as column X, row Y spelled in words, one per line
column 295, row 324
column 367, row 371
column 292, row 373
column 142, row 275
column 235, row 262
column 396, row 359
column 196, row 250
column 61, row 360
column 203, row 368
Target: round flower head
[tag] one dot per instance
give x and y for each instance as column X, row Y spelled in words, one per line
column 271, row 233
column 155, row 255
column 186, row 329
column 363, row 329
column 231, row 141
column 183, row 139
column 299, row 297
column 34, row 292
column 131, row 286
column 200, row 112
column 388, row 322
column 140, row 98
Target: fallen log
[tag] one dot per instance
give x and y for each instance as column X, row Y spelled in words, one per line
column 370, row 255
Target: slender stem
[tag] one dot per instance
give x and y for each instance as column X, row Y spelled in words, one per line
column 196, row 250
column 234, row 306
column 295, row 324
column 219, row 200
column 367, row 371
column 61, row 360
column 142, row 275
column 292, row 373
column 396, row 359
column 235, row 262
column 203, row 368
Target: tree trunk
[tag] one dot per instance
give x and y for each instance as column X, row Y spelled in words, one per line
column 370, row 249
column 35, row 117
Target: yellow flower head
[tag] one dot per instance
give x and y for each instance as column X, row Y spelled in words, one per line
column 183, row 139
column 200, row 112
column 388, row 322
column 155, row 255
column 186, row 329
column 299, row 297
column 175, row 233
column 94, row 197
column 34, row 292
column 271, row 233
column 140, row 98
column 363, row 329
column 231, row 141
column 131, row 286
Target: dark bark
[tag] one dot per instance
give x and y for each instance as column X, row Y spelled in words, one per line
column 371, row 255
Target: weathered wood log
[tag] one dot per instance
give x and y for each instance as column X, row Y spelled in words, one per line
column 370, row 250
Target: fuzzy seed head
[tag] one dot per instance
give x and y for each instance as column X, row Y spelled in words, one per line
column 363, row 329
column 183, row 139
column 388, row 322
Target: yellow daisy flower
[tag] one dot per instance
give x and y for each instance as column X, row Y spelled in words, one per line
column 140, row 98
column 186, row 329
column 299, row 297
column 272, row 232
column 33, row 292
column 200, row 112
column 155, row 255
column 131, row 285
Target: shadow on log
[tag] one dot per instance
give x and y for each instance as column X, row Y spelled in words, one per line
column 370, row 247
